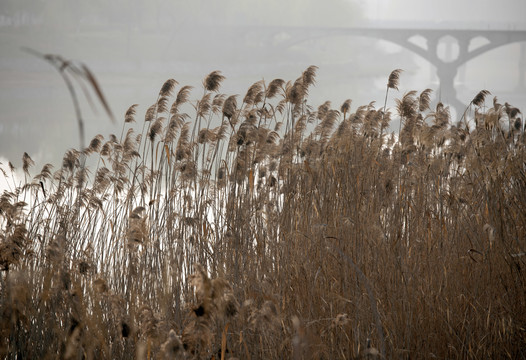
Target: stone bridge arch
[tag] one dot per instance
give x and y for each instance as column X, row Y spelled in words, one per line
column 285, row 37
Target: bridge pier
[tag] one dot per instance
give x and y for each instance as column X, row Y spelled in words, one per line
column 447, row 92
column 447, row 69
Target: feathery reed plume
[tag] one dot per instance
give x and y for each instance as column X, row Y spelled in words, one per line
column 325, row 127
column 274, row 87
column 496, row 104
column 370, row 352
column 253, row 92
column 70, row 160
column 265, row 317
column 296, row 92
column 26, row 163
column 45, row 173
column 168, row 87
column 149, row 321
column 272, row 137
column 344, row 129
column 214, row 297
column 341, row 320
column 407, row 109
column 16, row 290
column 213, row 81
column 13, row 245
column 309, row 76
column 222, row 298
column 323, row 109
column 172, row 348
column 408, row 106
column 394, row 79
column 74, row 339
column 162, row 104
column 424, row 100
column 346, row 107
column 95, row 144
column 182, row 97
column 176, row 123
column 229, row 107
column 150, row 113
column 217, row 103
column 203, row 289
column 478, row 100
column 392, row 83
column 130, row 114
column 156, row 128
column 205, row 136
column 517, row 124
column 441, row 116
column 183, row 149
column 106, row 148
column 197, row 337
column 138, row 227
column 69, row 71
column 512, row 111
column 280, row 107
column 299, row 341
column 204, row 105
column 79, row 72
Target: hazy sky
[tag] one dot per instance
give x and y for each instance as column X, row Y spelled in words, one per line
column 133, row 46
column 487, row 11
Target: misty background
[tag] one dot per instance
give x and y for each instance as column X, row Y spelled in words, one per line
column 133, row 46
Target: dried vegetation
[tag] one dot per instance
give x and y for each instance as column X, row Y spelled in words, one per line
column 259, row 227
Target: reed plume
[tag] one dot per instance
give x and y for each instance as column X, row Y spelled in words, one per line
column 274, row 87
column 213, row 81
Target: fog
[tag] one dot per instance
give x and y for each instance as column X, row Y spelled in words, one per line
column 133, row 46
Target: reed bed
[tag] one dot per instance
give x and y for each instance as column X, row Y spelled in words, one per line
column 261, row 227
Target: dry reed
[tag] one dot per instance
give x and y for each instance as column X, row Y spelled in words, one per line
column 272, row 229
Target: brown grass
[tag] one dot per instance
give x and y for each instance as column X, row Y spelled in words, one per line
column 266, row 229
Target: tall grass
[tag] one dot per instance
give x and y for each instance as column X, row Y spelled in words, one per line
column 259, row 227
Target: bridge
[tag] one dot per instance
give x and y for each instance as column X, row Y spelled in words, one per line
column 447, row 68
